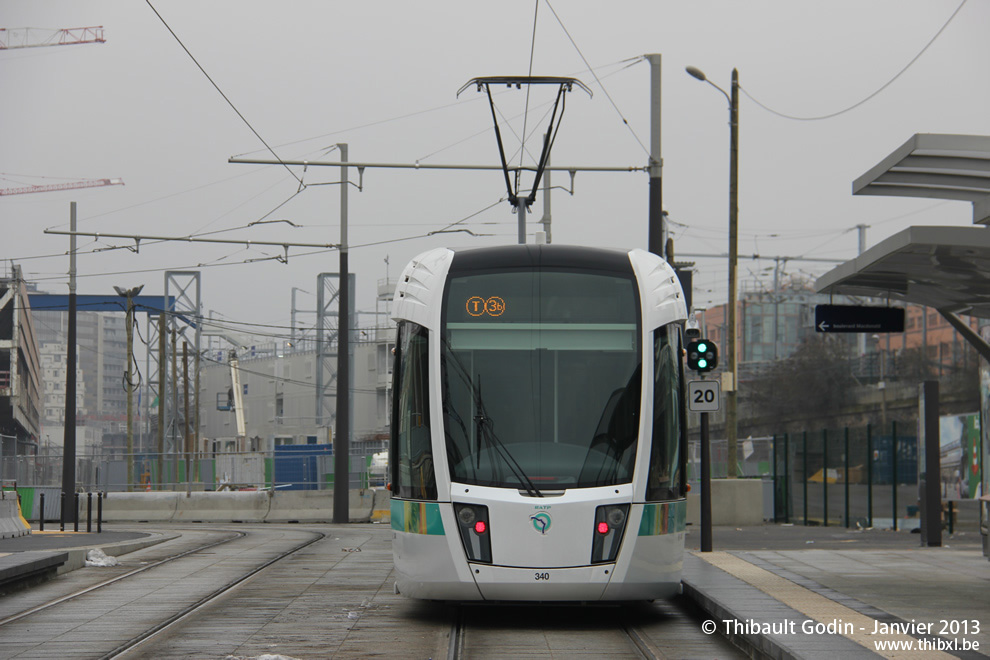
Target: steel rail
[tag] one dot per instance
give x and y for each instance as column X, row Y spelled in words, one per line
column 58, row 601
column 176, row 618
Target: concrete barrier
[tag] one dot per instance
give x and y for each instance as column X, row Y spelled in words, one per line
column 279, row 506
column 222, row 506
column 382, row 509
column 135, row 507
column 317, row 505
column 12, row 523
column 301, row 506
column 361, row 504
column 735, row 502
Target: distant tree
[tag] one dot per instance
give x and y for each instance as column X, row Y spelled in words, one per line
column 910, row 365
column 812, row 384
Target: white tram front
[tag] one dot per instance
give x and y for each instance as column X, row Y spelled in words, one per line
column 538, row 430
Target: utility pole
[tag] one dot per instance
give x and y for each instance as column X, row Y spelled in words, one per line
column 341, row 441
column 175, row 407
column 69, row 438
column 185, row 416
column 162, row 394
column 861, row 337
column 731, row 422
column 292, row 322
column 656, row 224
column 194, row 440
column 129, row 378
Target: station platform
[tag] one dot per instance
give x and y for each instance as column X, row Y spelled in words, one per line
column 825, row 592
column 43, row 554
column 776, row 591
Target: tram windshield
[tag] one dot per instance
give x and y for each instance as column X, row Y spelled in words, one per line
column 541, row 379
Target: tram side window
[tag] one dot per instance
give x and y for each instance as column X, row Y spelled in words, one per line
column 413, row 474
column 664, row 477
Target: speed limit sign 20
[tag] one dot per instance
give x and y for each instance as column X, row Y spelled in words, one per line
column 703, row 395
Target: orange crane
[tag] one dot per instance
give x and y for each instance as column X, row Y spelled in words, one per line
column 71, row 185
column 34, row 37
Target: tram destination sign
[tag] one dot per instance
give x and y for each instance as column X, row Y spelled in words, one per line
column 854, row 318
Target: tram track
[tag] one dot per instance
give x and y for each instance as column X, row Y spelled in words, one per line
column 637, row 631
column 132, row 644
column 82, row 592
column 114, row 617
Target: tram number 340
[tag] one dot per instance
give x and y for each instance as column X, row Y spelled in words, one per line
column 703, row 395
column 541, row 576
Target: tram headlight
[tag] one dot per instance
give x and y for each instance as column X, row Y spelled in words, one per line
column 610, row 524
column 472, row 522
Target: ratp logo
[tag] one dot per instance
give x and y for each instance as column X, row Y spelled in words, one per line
column 541, row 522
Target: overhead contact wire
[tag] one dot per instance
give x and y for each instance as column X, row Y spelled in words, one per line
column 532, row 51
column 217, row 87
column 874, row 94
column 597, row 79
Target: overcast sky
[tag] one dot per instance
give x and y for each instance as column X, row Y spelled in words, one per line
column 382, row 77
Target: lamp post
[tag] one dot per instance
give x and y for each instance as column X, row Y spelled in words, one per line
column 129, row 378
column 731, row 353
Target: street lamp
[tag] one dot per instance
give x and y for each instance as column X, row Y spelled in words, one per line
column 731, row 352
column 129, row 378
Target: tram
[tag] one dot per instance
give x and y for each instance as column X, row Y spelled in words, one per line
column 538, row 448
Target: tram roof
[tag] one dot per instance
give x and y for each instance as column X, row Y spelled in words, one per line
column 547, row 256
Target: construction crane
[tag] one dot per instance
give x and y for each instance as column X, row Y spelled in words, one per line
column 35, row 37
column 72, row 185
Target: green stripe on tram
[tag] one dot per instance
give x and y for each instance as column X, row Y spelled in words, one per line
column 663, row 518
column 416, row 517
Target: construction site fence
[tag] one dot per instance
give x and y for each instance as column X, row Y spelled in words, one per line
column 296, row 469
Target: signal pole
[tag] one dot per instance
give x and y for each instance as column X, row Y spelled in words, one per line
column 703, row 396
column 706, row 486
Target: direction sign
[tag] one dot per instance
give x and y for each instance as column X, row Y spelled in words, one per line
column 703, row 395
column 854, row 318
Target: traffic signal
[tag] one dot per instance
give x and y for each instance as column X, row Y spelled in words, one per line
column 702, row 355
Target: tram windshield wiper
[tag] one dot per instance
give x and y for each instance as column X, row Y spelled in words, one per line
column 484, row 429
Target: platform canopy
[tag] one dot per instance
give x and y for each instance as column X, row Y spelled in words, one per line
column 946, row 268
column 936, row 166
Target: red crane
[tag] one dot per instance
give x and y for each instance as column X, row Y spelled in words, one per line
column 34, row 37
column 72, row 185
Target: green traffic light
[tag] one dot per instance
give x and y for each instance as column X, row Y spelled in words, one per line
column 702, row 347
column 702, row 363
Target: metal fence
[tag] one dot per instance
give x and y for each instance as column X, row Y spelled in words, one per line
column 863, row 476
column 853, row 476
column 303, row 468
